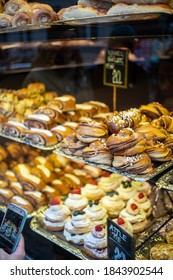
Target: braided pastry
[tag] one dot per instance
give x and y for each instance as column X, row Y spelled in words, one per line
column 119, row 120
column 137, row 164
column 126, row 142
column 158, row 151
column 154, row 110
column 165, row 122
column 150, row 132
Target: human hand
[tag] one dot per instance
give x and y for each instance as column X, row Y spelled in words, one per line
column 19, row 254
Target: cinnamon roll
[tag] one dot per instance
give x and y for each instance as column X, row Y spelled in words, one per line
column 64, row 103
column 42, row 13
column 137, row 164
column 158, row 151
column 126, row 142
column 86, row 110
column 12, row 6
column 154, row 110
column 41, row 121
column 52, row 112
column 21, row 18
column 39, row 137
column 150, row 132
column 62, row 132
column 97, row 152
column 13, row 128
column 165, row 122
column 70, row 145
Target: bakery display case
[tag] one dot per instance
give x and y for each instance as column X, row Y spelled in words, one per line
column 72, row 149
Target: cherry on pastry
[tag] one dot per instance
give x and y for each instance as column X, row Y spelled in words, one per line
column 106, row 174
column 140, row 195
column 120, row 221
column 76, row 191
column 93, row 182
column 134, row 206
column 98, row 228
column 55, row 201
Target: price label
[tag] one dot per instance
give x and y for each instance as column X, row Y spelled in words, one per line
column 121, row 245
column 116, row 68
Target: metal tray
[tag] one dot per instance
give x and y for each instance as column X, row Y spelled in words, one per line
column 142, row 178
column 163, row 181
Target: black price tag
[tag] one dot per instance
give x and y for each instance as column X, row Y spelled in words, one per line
column 121, row 245
column 116, row 68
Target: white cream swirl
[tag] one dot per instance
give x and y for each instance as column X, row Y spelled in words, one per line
column 57, row 213
column 76, row 201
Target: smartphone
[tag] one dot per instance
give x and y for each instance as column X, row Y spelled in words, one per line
column 11, row 227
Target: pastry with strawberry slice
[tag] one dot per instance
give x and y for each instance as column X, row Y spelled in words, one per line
column 95, row 243
column 136, row 216
column 56, row 215
column 75, row 200
column 124, row 224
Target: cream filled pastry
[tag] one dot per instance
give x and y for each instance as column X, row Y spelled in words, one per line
column 56, row 215
column 136, row 216
column 95, row 243
column 124, row 224
column 142, row 187
column 77, row 227
column 76, row 200
column 126, row 190
column 110, row 181
column 92, row 191
column 96, row 212
column 143, row 202
column 113, row 204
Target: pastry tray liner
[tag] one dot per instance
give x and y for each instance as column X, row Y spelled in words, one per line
column 142, row 178
column 58, row 238
column 163, row 181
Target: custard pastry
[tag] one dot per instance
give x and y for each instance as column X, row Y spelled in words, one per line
column 113, row 204
column 76, row 200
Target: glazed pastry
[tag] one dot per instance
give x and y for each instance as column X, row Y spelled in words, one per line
column 113, row 204
column 5, row 21
column 22, row 18
column 64, row 102
column 36, row 198
column 56, row 215
column 10, row 176
column 124, row 224
column 88, row 132
column 158, row 151
column 13, row 128
column 154, row 110
column 126, row 190
column 123, row 119
column 98, row 152
column 71, row 124
column 136, row 216
column 75, row 200
column 45, row 173
column 39, row 137
column 61, row 186
column 22, row 202
column 70, row 179
column 52, row 112
column 12, row 6
column 70, row 145
column 143, row 202
column 126, row 143
column 95, row 243
column 3, row 183
column 96, row 212
column 137, row 164
column 150, row 132
column 92, row 191
column 41, row 160
column 72, row 116
column 5, row 196
column 50, row 192
column 62, row 132
column 110, row 181
column 77, row 227
column 165, row 122
column 16, row 188
column 78, row 12
column 40, row 121
column 161, row 251
column 42, row 14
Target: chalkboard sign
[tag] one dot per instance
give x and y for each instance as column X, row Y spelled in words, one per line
column 116, row 67
column 121, row 245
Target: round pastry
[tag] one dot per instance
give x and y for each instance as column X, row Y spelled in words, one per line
column 126, row 143
column 95, row 243
column 143, row 202
column 96, row 212
column 150, row 132
column 161, row 251
column 113, row 204
column 98, row 152
column 110, row 181
column 154, row 110
column 158, row 151
column 124, row 224
column 92, row 192
column 70, row 145
column 56, row 215
column 75, row 200
column 88, row 132
column 126, row 190
column 136, row 216
column 77, row 227
column 142, row 187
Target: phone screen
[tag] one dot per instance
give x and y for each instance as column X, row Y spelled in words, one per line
column 10, row 230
